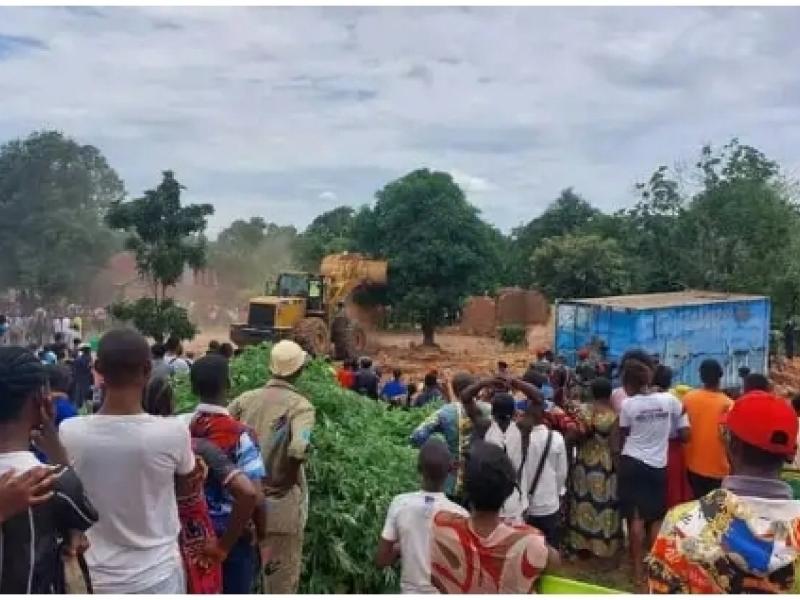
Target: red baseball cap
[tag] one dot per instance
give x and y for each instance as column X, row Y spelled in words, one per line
column 765, row 421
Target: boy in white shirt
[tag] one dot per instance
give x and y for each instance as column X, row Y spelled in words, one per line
column 503, row 432
column 128, row 461
column 544, row 476
column 407, row 532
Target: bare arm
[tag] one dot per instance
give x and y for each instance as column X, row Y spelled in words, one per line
column 245, row 496
column 468, row 396
column 387, row 554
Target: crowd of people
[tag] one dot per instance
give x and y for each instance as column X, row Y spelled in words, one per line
column 129, row 498
column 558, row 465
column 518, row 473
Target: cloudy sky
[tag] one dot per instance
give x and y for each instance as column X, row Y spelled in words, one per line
column 286, row 112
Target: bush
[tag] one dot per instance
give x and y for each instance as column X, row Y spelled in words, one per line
column 157, row 319
column 512, row 335
column 360, row 460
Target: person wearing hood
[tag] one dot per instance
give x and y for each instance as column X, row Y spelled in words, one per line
column 742, row 538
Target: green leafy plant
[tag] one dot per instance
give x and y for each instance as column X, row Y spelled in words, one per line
column 360, row 460
column 511, row 335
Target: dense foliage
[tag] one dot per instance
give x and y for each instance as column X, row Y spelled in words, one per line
column 438, row 247
column 360, row 460
column 165, row 238
column 53, row 195
column 511, row 335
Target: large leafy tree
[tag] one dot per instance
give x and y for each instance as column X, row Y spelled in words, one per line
column 165, row 238
column 569, row 213
column 435, row 241
column 248, row 254
column 579, row 266
column 53, row 195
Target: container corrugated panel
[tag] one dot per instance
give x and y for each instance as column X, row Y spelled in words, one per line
column 735, row 332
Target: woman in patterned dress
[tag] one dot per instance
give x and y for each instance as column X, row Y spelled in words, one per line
column 594, row 519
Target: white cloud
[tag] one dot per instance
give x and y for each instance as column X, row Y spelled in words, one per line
column 470, row 183
column 328, row 196
column 263, row 110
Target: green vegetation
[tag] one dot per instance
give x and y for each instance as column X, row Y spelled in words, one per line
column 360, row 460
column 512, row 335
column 166, row 238
column 53, row 195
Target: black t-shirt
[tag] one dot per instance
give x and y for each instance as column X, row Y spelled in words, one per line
column 366, row 383
column 30, row 541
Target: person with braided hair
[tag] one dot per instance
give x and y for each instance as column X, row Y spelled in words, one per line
column 33, row 540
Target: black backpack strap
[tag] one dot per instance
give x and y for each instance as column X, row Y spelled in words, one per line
column 540, row 467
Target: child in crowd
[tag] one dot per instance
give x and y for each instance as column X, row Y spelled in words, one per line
column 407, row 532
column 505, row 559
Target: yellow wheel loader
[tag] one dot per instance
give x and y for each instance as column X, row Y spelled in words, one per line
column 309, row 308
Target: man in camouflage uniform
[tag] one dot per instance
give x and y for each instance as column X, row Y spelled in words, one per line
column 283, row 419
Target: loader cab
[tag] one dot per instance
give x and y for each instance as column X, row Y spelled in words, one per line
column 303, row 285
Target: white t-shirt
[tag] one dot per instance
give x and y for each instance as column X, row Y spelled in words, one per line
column 510, row 440
column 650, row 418
column 177, row 364
column 409, row 522
column 546, row 499
column 127, row 464
column 18, row 461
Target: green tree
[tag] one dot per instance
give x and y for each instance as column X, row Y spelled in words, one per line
column 248, row 254
column 579, row 266
column 166, row 238
column 569, row 213
column 329, row 233
column 53, row 195
column 436, row 244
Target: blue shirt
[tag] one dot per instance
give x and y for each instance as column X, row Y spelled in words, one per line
column 393, row 389
column 64, row 410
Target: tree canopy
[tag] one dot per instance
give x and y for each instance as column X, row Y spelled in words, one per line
column 54, row 193
column 435, row 242
column 166, row 238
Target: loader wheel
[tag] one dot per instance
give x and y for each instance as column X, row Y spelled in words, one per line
column 312, row 334
column 349, row 340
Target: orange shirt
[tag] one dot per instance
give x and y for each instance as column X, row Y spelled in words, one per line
column 705, row 452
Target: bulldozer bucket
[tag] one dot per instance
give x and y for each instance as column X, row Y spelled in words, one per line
column 354, row 267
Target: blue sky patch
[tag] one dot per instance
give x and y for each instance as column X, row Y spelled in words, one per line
column 13, row 44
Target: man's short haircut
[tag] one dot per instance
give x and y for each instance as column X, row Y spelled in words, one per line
column 435, row 460
column 601, row 388
column 462, row 381
column 756, row 457
column 397, row 373
column 755, row 381
column 639, row 355
column 158, row 397
column 173, row 344
column 489, row 477
column 710, row 372
column 365, row 363
column 226, row 350
column 213, row 346
column 59, row 378
column 58, row 337
column 430, row 380
column 503, row 406
column 122, row 356
column 158, row 351
column 636, row 374
column 209, row 376
column 77, row 342
column 21, row 374
column 662, row 377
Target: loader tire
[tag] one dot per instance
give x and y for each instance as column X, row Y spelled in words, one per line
column 312, row 335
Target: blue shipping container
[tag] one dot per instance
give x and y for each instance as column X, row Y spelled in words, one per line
column 681, row 328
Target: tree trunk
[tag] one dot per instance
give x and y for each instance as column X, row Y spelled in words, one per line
column 428, row 330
